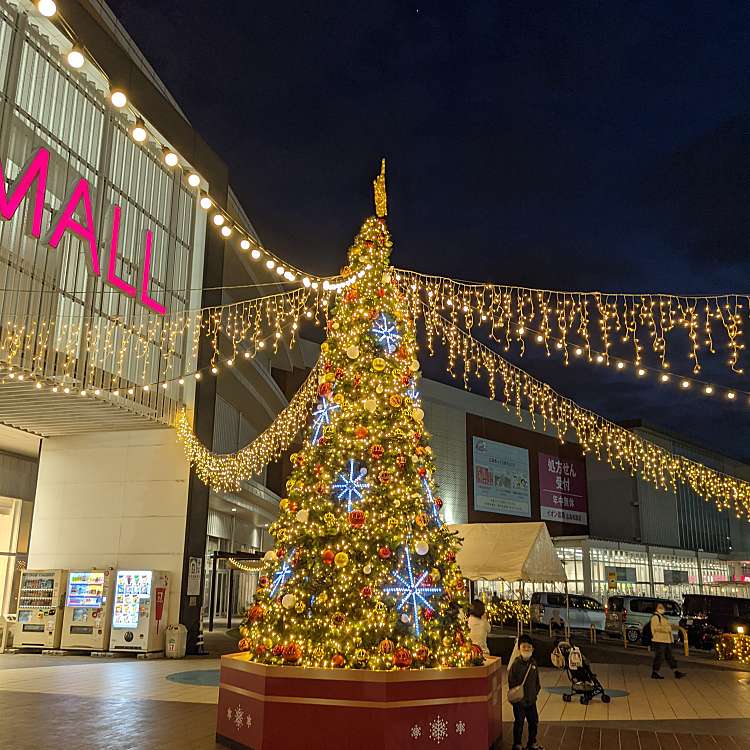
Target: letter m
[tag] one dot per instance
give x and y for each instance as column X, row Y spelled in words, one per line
column 35, row 169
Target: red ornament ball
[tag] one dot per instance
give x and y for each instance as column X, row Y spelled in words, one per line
column 377, row 451
column 325, row 389
column 381, row 292
column 263, row 582
column 338, row 660
column 339, row 373
column 450, row 556
column 422, row 519
column 293, row 506
column 328, row 555
column 278, row 649
column 260, row 649
column 476, row 652
column 280, row 552
column 421, row 471
column 255, row 613
column 384, row 552
column 361, row 432
column 339, row 618
column 357, row 519
column 439, row 502
column 401, row 461
column 402, row 658
column 422, row 653
column 292, row 653
column 366, row 592
column 244, row 644
column 428, row 614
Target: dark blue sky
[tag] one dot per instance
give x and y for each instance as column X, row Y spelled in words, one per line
column 557, row 144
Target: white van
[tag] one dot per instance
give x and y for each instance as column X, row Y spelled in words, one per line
column 585, row 611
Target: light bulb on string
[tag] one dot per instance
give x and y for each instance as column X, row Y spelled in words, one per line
column 47, row 8
column 75, row 57
column 206, row 202
column 118, row 98
column 139, row 132
column 193, row 179
column 170, row 157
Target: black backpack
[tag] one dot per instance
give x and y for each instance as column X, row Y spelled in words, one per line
column 646, row 636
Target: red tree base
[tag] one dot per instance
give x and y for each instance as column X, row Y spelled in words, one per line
column 279, row 708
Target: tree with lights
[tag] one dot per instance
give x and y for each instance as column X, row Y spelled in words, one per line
column 364, row 573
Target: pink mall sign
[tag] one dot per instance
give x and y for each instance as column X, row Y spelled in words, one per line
column 33, row 179
column 562, row 490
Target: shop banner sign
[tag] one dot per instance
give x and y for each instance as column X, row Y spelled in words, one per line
column 501, row 478
column 562, row 490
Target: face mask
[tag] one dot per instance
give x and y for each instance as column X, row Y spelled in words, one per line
column 526, row 653
column 660, row 610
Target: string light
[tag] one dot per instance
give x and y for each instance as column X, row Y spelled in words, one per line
column 47, row 8
column 118, row 98
column 193, row 179
column 170, row 157
column 139, row 131
column 642, row 322
column 75, row 57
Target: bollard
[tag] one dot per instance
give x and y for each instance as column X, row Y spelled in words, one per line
column 685, row 645
column 624, row 637
column 200, row 644
column 592, row 633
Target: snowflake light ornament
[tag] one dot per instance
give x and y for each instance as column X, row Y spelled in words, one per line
column 413, row 592
column 434, row 510
column 416, row 732
column 239, row 717
column 322, row 416
column 282, row 575
column 460, row 727
column 386, row 333
column 351, row 485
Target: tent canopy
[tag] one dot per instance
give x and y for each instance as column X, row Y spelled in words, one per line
column 508, row 552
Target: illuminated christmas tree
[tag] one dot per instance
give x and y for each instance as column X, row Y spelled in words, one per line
column 364, row 572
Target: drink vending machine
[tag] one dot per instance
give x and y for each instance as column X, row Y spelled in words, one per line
column 139, row 614
column 40, row 609
column 88, row 610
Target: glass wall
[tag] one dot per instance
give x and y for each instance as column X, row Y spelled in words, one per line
column 50, row 295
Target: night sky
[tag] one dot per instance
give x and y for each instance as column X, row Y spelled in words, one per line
column 565, row 145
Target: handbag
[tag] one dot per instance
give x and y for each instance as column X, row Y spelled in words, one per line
column 515, row 694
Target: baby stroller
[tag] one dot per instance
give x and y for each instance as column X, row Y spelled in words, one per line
column 583, row 681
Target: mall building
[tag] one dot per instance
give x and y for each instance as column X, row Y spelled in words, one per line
column 99, row 480
column 613, row 532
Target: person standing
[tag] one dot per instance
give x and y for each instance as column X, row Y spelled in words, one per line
column 479, row 626
column 524, row 672
column 661, row 641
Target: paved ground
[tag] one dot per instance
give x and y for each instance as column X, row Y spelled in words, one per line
column 122, row 704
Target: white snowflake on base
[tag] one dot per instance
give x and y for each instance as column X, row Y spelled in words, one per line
column 438, row 729
column 239, row 717
column 416, row 732
column 229, row 714
column 460, row 727
column 248, row 721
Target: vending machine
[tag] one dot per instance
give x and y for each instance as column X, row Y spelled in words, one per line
column 88, row 610
column 140, row 610
column 40, row 609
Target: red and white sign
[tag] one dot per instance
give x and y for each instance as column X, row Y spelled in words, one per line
column 562, row 490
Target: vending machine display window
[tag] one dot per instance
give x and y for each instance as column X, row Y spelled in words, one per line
column 85, row 589
column 131, row 587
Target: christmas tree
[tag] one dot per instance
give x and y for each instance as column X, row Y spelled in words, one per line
column 364, row 573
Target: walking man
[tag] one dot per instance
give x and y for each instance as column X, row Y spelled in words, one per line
column 661, row 641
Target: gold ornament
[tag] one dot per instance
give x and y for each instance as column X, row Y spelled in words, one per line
column 414, row 366
column 299, row 607
column 371, row 405
column 284, row 503
column 417, row 414
column 378, row 364
column 352, row 352
column 330, row 519
column 341, row 559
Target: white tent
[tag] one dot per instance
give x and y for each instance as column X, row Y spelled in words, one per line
column 508, row 552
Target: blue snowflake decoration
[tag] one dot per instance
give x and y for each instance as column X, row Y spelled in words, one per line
column 282, row 575
column 434, row 510
column 413, row 592
column 322, row 416
column 351, row 484
column 386, row 333
column 412, row 391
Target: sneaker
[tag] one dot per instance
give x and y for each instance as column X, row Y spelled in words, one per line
column 656, row 676
column 679, row 675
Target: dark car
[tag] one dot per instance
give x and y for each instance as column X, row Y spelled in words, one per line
column 706, row 617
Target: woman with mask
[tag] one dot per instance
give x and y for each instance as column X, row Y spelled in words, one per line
column 661, row 641
column 524, row 672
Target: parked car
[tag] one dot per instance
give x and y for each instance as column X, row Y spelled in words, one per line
column 633, row 612
column 584, row 611
column 706, row 617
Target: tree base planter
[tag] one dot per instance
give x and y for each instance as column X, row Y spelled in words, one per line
column 278, row 708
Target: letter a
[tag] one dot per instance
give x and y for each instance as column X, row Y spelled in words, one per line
column 63, row 221
column 35, row 169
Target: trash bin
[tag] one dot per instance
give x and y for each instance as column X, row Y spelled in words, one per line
column 176, row 642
